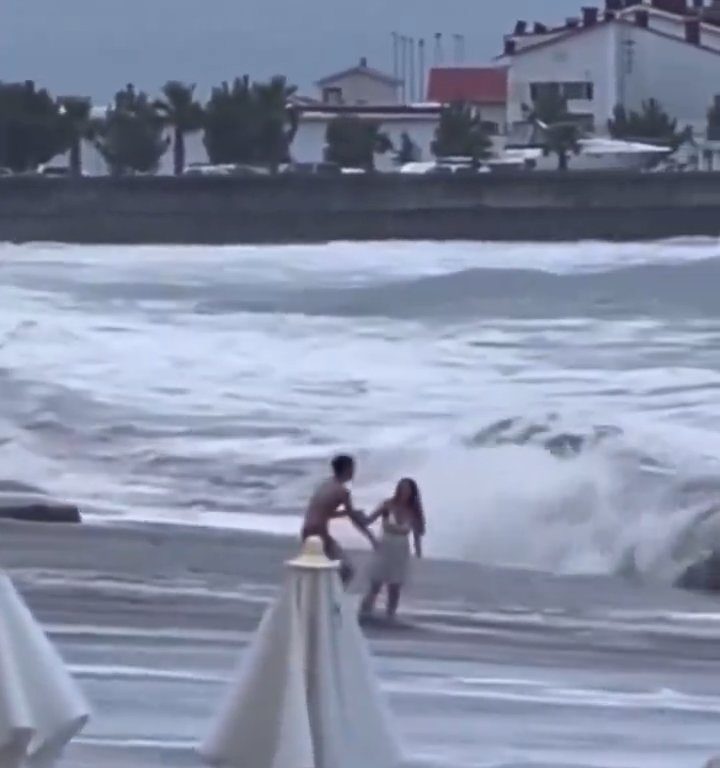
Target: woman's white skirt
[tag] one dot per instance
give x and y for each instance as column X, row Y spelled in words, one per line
column 391, row 560
column 41, row 708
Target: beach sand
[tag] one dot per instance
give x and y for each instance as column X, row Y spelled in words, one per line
column 498, row 667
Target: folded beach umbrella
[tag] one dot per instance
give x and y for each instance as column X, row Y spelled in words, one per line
column 305, row 695
column 41, row 709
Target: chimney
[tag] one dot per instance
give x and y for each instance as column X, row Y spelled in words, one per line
column 613, row 5
column 520, row 27
column 510, row 46
column 363, row 62
column 692, row 31
column 590, row 16
column 539, row 29
column 572, row 23
column 642, row 18
column 609, row 15
column 698, row 5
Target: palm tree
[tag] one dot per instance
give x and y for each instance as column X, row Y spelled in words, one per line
column 561, row 134
column 713, row 120
column 183, row 114
column 76, row 113
column 278, row 120
column 651, row 124
column 353, row 142
column 130, row 137
column 461, row 133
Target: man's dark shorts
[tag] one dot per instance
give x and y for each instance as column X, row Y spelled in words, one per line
column 333, row 551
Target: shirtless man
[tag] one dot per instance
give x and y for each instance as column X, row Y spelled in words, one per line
column 331, row 500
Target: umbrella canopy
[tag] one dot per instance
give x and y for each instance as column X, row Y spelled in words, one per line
column 41, row 709
column 305, row 695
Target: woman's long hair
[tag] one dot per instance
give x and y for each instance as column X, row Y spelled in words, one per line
column 415, row 504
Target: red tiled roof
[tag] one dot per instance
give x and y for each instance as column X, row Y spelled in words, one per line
column 479, row 85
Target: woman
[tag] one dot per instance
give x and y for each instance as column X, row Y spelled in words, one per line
column 402, row 516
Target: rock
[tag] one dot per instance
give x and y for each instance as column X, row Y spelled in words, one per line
column 37, row 509
column 565, row 445
column 703, row 575
column 493, row 432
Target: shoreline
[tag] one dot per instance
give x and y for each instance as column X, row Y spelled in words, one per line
column 534, row 206
column 151, row 621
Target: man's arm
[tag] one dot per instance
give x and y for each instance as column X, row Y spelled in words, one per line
column 358, row 519
column 377, row 514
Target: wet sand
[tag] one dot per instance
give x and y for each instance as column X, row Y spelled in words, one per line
column 499, row 667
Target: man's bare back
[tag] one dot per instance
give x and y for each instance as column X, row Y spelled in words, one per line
column 330, row 499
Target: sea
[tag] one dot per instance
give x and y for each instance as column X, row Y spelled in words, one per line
column 557, row 404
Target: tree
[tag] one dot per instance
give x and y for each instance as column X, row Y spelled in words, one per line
column 183, row 114
column 461, row 133
column 409, row 152
column 250, row 123
column 713, row 120
column 76, row 112
column 130, row 136
column 353, row 142
column 651, row 124
column 278, row 121
column 560, row 133
column 32, row 130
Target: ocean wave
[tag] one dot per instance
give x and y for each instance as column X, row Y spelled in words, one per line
column 557, row 403
column 536, row 494
column 684, row 289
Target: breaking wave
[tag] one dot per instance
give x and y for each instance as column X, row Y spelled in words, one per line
column 196, row 384
column 532, row 494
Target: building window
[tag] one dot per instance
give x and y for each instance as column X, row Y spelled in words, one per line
column 540, row 91
column 332, row 95
column 578, row 91
column 572, row 91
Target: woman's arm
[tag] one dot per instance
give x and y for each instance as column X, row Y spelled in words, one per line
column 417, row 539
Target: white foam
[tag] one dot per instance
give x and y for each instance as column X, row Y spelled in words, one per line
column 97, row 340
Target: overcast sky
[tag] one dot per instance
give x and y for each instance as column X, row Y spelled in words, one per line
column 93, row 47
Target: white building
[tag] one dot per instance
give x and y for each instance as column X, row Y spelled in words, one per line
column 419, row 122
column 621, row 56
column 358, row 86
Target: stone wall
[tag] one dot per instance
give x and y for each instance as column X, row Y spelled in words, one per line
column 527, row 206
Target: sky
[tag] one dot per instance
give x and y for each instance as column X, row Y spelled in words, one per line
column 95, row 47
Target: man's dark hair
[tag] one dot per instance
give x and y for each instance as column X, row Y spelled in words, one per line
column 342, row 464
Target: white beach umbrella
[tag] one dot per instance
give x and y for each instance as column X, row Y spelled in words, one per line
column 306, row 695
column 41, row 709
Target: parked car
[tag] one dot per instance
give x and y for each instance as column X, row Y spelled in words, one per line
column 224, row 169
column 312, row 169
column 54, row 171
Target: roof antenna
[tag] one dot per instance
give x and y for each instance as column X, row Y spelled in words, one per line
column 438, row 56
column 411, row 40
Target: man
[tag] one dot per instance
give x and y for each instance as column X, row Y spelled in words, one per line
column 330, row 500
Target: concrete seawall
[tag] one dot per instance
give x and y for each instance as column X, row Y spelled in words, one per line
column 217, row 210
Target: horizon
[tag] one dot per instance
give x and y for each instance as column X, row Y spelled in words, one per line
column 95, row 51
